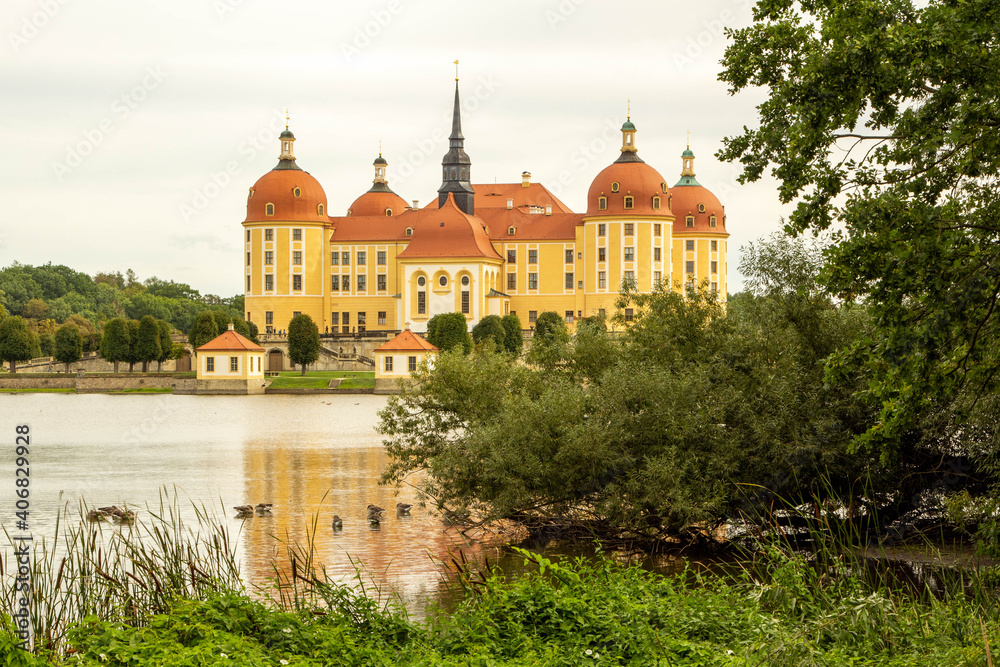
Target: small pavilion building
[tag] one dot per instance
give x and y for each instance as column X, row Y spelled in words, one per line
column 230, row 364
column 397, row 359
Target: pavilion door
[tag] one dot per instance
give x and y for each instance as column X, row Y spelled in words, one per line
column 275, row 360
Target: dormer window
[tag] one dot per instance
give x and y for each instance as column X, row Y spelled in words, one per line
column 602, row 203
column 250, row 196
column 615, row 186
column 388, row 212
column 663, row 186
column 510, row 231
column 297, row 192
column 269, row 209
column 701, row 208
column 409, row 231
column 712, row 221
column 629, row 202
column 319, row 209
column 656, row 203
column 689, row 221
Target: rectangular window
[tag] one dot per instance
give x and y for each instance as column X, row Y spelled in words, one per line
column 335, row 319
column 715, row 267
column 532, row 316
column 381, row 317
column 382, row 282
column 512, row 257
column 629, row 278
column 268, row 234
column 656, row 229
column 335, row 283
column 569, row 256
column 380, row 257
column 602, row 254
column 602, row 229
column 532, row 281
column 234, row 364
column 268, row 317
column 411, row 364
column 656, row 254
column 532, row 257
column 715, row 246
column 629, row 229
column 269, row 282
column 388, row 362
column 248, row 283
column 569, row 281
column 569, row 317
column 334, row 258
column 629, row 254
column 297, row 257
column 657, row 276
column 689, row 266
column 361, row 258
column 689, row 221
column 512, row 281
column 629, row 315
column 601, row 312
column 465, row 302
column 362, row 282
column 296, row 234
column 421, row 303
column 248, row 259
column 269, row 257
column 296, row 282
column 209, row 364
column 712, row 222
column 362, row 321
column 715, row 287
column 689, row 245
column 602, row 279
column 345, row 318
column 345, row 258
column 296, row 313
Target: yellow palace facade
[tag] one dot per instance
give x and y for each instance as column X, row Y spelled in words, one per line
column 478, row 249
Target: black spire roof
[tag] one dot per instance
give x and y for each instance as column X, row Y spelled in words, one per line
column 456, row 166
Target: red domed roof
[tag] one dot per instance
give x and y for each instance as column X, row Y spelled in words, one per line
column 278, row 187
column 698, row 202
column 376, row 203
column 635, row 179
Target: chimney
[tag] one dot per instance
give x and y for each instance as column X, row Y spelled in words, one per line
column 548, row 210
column 416, row 204
column 230, row 326
column 510, row 204
column 525, row 179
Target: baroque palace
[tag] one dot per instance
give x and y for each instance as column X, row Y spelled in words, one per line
column 478, row 249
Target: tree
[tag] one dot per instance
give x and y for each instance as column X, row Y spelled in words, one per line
column 549, row 344
column 449, row 330
column 16, row 341
column 46, row 345
column 303, row 341
column 147, row 347
column 166, row 343
column 115, row 341
column 133, row 341
column 490, row 328
column 203, row 330
column 35, row 309
column 514, row 339
column 881, row 117
column 69, row 344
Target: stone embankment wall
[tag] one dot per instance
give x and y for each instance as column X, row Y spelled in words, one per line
column 102, row 383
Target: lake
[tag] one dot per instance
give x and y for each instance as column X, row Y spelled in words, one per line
column 312, row 456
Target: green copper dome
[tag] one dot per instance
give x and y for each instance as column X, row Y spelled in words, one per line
column 628, row 126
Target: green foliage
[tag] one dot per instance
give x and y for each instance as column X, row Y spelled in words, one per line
column 133, row 344
column 148, row 341
column 46, row 345
column 880, row 117
column 164, row 331
column 17, row 342
column 222, row 319
column 550, row 341
column 490, row 328
column 68, row 344
column 303, row 341
column 514, row 339
column 115, row 341
column 203, row 330
column 447, row 331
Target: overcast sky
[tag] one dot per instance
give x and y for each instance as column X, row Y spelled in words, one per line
column 133, row 130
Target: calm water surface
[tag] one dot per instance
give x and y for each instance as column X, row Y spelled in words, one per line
column 312, row 456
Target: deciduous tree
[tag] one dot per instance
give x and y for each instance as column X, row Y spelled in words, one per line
column 148, row 342
column 69, row 344
column 16, row 341
column 203, row 330
column 448, row 331
column 303, row 341
column 115, row 341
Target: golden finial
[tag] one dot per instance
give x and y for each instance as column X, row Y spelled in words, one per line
column 380, row 148
column 689, row 139
column 628, row 115
column 287, row 118
column 456, row 70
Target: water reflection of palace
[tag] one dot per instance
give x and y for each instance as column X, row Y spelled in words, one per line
column 310, row 483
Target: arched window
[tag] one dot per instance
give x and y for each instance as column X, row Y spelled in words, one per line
column 602, row 203
column 269, row 209
column 388, row 212
column 629, row 202
column 409, row 231
column 510, row 231
column 712, row 221
column 614, row 186
column 319, row 209
column 663, row 186
column 656, row 202
column 689, row 221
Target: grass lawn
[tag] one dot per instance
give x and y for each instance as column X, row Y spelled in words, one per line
column 321, row 380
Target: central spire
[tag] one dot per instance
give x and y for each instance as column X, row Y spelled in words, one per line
column 456, row 165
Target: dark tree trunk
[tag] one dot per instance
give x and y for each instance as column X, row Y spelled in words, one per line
column 145, row 367
column 303, row 369
column 116, row 366
column 131, row 367
column 67, row 367
column 13, row 366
